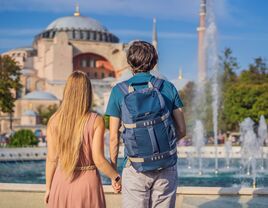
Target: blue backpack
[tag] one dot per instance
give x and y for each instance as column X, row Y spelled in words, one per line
column 148, row 132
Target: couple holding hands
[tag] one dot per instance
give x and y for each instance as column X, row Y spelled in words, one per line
column 148, row 113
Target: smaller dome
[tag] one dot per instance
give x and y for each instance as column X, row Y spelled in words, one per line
column 29, row 113
column 179, row 83
column 39, row 95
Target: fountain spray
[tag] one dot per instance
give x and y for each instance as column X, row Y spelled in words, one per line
column 249, row 148
column 198, row 140
column 262, row 135
column 213, row 69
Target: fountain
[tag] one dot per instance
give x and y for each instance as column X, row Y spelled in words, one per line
column 208, row 71
column 249, row 148
column 213, row 69
column 262, row 135
column 228, row 152
column 198, row 141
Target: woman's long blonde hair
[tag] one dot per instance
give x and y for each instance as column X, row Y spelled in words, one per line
column 71, row 118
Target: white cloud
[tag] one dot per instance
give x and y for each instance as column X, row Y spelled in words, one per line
column 175, row 9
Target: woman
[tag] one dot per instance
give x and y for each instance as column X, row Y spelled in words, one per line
column 76, row 150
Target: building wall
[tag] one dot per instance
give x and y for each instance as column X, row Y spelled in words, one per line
column 113, row 52
column 96, row 66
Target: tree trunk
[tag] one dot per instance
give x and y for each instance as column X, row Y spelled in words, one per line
column 11, row 121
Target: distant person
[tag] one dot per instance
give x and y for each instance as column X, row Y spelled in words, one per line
column 75, row 137
column 150, row 111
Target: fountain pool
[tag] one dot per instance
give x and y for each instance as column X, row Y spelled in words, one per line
column 33, row 172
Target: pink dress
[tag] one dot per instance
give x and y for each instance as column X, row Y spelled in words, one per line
column 85, row 191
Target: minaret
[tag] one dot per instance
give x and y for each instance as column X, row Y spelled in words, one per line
column 155, row 39
column 180, row 74
column 77, row 10
column 201, row 37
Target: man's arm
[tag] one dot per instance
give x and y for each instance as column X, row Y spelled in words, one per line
column 114, row 139
column 179, row 122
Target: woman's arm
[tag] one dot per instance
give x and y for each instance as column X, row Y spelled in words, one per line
column 51, row 160
column 98, row 150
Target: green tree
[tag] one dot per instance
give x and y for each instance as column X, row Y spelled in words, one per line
column 257, row 72
column 46, row 112
column 229, row 65
column 9, row 84
column 23, row 138
column 245, row 100
column 247, row 96
column 187, row 94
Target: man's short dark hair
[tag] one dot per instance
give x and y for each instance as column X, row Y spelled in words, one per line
column 142, row 56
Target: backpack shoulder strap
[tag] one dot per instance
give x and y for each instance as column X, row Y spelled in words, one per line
column 123, row 87
column 157, row 83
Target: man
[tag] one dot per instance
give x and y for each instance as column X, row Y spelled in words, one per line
column 151, row 185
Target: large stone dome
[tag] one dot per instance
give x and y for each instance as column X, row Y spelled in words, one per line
column 78, row 28
column 76, row 23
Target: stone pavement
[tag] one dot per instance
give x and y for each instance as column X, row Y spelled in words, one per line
column 31, row 196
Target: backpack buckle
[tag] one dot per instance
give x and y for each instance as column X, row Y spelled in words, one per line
column 130, row 89
column 150, row 85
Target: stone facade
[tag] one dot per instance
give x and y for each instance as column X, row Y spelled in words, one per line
column 67, row 44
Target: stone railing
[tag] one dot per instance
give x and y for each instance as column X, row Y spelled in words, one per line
column 39, row 153
column 11, row 154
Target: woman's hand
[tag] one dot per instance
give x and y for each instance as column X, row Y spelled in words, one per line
column 46, row 197
column 117, row 186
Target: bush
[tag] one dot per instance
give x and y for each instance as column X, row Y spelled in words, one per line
column 46, row 112
column 23, row 138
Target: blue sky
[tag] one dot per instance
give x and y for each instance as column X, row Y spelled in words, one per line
column 241, row 24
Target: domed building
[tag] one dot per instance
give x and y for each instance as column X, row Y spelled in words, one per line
column 68, row 44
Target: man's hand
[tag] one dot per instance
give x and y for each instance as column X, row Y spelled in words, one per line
column 179, row 122
column 117, row 186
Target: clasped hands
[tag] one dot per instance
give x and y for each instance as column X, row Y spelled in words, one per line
column 117, row 186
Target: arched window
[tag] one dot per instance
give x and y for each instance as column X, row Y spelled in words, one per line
column 92, row 63
column 28, row 85
column 91, row 35
column 98, row 37
column 70, row 34
column 76, row 34
column 84, row 63
column 85, row 35
column 39, row 85
column 104, row 37
column 18, row 93
column 81, row 34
